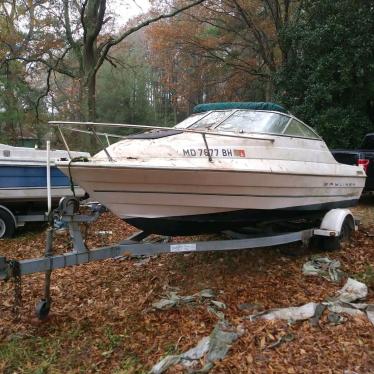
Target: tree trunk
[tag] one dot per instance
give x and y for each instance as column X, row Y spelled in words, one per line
column 81, row 115
column 11, row 105
column 91, row 97
column 89, row 62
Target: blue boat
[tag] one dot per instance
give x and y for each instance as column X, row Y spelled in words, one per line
column 23, row 178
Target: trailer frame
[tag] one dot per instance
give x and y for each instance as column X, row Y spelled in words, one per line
column 135, row 245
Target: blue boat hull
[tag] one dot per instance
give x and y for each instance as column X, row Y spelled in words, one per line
column 31, row 176
column 24, row 188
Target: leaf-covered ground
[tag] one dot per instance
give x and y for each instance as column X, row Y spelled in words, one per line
column 101, row 320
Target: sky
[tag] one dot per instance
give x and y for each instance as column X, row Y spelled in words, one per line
column 127, row 9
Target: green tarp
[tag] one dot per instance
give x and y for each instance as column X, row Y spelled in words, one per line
column 239, row 105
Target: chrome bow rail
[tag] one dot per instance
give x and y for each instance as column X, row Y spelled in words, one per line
column 90, row 129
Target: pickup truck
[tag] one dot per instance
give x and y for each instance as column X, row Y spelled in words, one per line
column 363, row 156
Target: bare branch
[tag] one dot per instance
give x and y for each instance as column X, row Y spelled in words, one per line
column 127, row 33
column 55, row 66
column 260, row 37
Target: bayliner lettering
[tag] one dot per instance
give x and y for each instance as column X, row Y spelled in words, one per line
column 334, row 184
column 213, row 152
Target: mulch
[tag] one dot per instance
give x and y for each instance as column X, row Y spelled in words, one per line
column 103, row 321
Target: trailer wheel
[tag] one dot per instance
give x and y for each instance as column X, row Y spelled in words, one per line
column 7, row 225
column 334, row 243
column 42, row 309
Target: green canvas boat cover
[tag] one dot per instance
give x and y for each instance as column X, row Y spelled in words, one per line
column 239, row 105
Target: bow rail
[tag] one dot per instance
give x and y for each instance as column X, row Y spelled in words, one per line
column 91, row 130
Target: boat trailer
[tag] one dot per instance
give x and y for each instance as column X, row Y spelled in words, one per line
column 336, row 225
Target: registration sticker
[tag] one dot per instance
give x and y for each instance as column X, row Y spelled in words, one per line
column 239, row 152
column 182, row 247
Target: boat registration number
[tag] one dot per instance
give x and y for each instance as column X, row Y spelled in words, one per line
column 213, row 152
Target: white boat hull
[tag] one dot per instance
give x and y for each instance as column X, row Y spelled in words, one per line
column 169, row 185
column 141, row 194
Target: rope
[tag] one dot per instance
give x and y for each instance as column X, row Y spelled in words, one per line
column 75, row 159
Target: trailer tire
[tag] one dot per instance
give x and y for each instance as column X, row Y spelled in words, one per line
column 7, row 225
column 334, row 243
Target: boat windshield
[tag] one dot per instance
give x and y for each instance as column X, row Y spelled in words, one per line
column 255, row 121
column 204, row 120
column 189, row 121
column 265, row 122
column 248, row 121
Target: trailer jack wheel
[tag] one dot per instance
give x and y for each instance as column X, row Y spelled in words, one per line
column 42, row 309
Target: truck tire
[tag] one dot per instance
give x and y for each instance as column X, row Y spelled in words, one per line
column 333, row 244
column 7, row 225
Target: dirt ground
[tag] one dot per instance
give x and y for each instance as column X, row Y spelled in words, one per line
column 102, row 321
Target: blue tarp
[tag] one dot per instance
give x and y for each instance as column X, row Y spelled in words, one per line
column 239, row 105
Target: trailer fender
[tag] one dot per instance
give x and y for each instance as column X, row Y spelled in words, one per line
column 333, row 221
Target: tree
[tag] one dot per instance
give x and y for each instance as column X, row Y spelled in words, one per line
column 226, row 50
column 82, row 44
column 327, row 77
column 18, row 96
column 126, row 93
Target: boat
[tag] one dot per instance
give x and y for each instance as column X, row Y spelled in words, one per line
column 23, row 178
column 227, row 166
